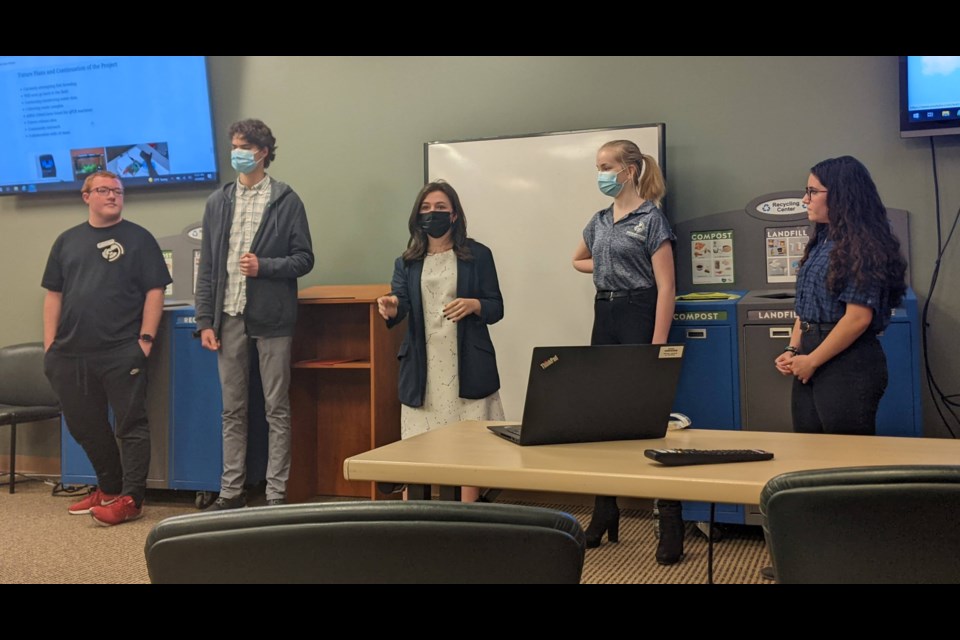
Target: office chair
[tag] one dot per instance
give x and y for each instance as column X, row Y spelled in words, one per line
column 893, row 524
column 25, row 393
column 417, row 542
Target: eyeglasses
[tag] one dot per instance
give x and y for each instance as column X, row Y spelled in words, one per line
column 105, row 191
column 810, row 191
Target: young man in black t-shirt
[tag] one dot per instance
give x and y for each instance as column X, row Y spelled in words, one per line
column 105, row 280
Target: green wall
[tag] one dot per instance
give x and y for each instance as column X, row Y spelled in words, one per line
column 351, row 130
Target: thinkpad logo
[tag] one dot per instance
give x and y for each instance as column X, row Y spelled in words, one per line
column 548, row 362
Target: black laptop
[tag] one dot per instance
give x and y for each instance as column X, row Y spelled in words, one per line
column 596, row 394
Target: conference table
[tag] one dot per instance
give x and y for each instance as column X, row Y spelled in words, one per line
column 468, row 454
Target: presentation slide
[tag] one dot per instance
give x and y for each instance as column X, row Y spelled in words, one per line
column 140, row 116
column 934, row 82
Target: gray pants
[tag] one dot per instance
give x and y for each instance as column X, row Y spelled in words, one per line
column 233, row 360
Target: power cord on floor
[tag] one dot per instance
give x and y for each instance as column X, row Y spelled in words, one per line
column 61, row 490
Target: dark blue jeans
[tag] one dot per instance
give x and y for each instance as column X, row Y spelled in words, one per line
column 843, row 394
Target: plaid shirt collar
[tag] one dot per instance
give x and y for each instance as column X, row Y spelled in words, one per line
column 255, row 189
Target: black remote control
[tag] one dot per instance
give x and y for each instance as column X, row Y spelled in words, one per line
column 678, row 457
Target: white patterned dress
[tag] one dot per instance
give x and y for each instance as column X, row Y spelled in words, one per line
column 442, row 404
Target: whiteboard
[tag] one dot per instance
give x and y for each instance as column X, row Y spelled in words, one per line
column 528, row 198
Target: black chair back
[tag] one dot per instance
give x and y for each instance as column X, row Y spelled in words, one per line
column 893, row 524
column 22, row 382
column 369, row 542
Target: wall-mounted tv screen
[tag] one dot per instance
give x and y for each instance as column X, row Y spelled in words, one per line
column 929, row 96
column 146, row 118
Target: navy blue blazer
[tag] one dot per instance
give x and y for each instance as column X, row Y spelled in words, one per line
column 477, row 366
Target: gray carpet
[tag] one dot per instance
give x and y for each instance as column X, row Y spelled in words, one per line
column 42, row 543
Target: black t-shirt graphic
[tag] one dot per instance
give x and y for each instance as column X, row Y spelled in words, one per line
column 104, row 274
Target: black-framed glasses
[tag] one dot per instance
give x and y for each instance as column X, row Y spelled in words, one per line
column 810, row 191
column 105, row 191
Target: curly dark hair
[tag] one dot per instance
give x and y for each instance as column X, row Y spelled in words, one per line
column 865, row 249
column 417, row 245
column 256, row 133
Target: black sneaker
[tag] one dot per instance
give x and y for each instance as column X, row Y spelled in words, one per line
column 273, row 502
column 767, row 573
column 222, row 504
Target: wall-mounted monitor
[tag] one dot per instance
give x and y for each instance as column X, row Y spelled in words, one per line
column 929, row 96
column 146, row 118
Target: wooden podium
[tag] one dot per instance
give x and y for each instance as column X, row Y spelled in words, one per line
column 343, row 392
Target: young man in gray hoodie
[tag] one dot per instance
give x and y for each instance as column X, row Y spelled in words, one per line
column 256, row 243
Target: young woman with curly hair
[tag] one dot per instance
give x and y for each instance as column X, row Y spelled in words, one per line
column 850, row 277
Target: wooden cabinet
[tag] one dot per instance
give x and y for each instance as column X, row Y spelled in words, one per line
column 343, row 392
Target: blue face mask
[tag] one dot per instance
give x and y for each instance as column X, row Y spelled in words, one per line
column 607, row 182
column 243, row 160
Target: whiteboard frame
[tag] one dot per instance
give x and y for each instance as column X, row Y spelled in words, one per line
column 528, row 197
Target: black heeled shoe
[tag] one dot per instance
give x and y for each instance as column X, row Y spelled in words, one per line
column 387, row 488
column 605, row 519
column 672, row 529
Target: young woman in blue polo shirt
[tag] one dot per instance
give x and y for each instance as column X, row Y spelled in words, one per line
column 850, row 277
column 628, row 247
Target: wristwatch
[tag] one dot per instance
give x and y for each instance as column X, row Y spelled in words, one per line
column 146, row 337
column 792, row 349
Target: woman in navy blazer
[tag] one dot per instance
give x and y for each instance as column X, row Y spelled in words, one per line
column 447, row 284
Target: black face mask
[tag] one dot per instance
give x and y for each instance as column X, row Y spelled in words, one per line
column 435, row 224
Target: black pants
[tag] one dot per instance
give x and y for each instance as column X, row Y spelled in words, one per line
column 627, row 320
column 843, row 394
column 85, row 385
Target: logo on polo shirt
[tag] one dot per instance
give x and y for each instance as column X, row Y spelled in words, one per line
column 111, row 250
column 639, row 231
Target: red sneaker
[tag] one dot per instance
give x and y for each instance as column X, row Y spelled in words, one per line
column 96, row 499
column 121, row 510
